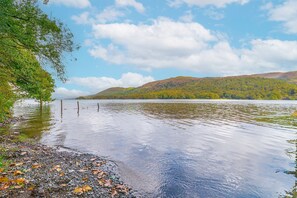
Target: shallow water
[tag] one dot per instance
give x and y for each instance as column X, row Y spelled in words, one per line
column 174, row 148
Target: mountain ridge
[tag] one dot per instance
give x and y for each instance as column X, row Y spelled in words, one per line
column 274, row 85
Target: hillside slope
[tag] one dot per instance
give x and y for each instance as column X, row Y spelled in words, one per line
column 259, row 86
column 288, row 76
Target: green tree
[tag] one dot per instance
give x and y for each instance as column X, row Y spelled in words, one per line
column 23, row 25
column 30, row 42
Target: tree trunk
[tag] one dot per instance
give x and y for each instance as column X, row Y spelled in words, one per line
column 40, row 103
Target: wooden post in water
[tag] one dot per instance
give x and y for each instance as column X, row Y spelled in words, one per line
column 77, row 107
column 61, row 108
column 98, row 107
column 41, row 105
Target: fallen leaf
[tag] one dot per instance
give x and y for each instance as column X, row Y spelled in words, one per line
column 57, row 168
column 122, row 188
column 19, row 164
column 17, row 187
column 99, row 163
column 17, row 172
column 62, row 174
column 31, row 188
column 102, row 174
column 81, row 190
column 101, row 182
column 20, row 181
column 108, row 183
column 63, row 185
column 78, row 191
column 85, row 179
column 99, row 173
column 23, row 153
column 4, row 180
column 1, row 170
column 15, row 164
column 105, row 183
column 95, row 172
column 4, row 186
column 114, row 192
column 87, row 188
column 36, row 165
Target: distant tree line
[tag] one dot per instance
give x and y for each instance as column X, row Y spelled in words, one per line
column 252, row 88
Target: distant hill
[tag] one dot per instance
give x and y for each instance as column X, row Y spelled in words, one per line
column 170, row 83
column 258, row 86
column 288, row 76
column 110, row 91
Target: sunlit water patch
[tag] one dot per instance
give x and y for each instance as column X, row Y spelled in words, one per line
column 177, row 148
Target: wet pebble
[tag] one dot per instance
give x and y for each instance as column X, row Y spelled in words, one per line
column 54, row 173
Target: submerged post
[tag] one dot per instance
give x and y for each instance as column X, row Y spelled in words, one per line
column 41, row 104
column 98, row 107
column 77, row 107
column 61, row 108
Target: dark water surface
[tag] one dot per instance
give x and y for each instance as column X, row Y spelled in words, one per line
column 173, row 148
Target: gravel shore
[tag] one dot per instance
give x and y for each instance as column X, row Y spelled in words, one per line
column 34, row 170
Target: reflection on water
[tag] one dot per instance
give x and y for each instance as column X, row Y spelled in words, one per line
column 293, row 153
column 177, row 148
column 34, row 122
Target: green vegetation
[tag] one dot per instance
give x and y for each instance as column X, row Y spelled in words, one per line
column 288, row 121
column 244, row 87
column 30, row 44
column 3, row 158
column 1, row 161
column 285, row 120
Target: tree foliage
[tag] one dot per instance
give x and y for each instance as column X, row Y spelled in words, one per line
column 30, row 44
column 207, row 88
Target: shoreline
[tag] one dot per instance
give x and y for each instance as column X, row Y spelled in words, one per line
column 30, row 169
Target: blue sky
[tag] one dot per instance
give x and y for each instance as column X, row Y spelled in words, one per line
column 131, row 42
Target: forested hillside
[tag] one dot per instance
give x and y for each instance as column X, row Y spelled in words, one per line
column 288, row 76
column 206, row 88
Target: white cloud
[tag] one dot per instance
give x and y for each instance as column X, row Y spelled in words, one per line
column 61, row 93
column 214, row 14
column 187, row 17
column 285, row 13
column 109, row 14
column 132, row 3
column 203, row 3
column 72, row 3
column 83, row 18
column 188, row 46
column 96, row 84
column 270, row 55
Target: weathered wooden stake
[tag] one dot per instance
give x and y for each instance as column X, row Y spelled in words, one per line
column 41, row 104
column 61, row 108
column 98, row 107
column 77, row 107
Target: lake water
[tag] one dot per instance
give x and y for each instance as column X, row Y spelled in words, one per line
column 177, row 148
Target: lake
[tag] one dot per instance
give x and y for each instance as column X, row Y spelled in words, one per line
column 177, row 148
